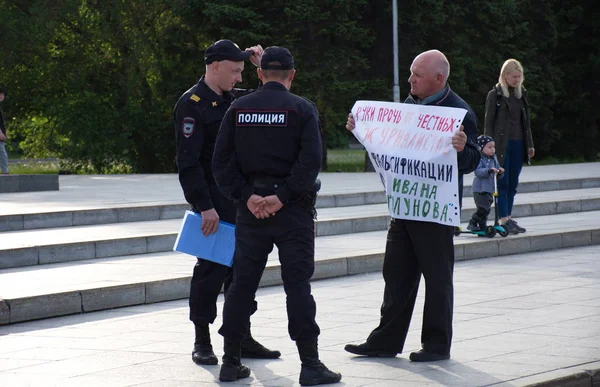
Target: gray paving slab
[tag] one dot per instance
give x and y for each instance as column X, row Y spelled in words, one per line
column 553, row 339
column 125, row 280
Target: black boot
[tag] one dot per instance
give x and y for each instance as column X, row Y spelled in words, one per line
column 203, row 350
column 232, row 368
column 314, row 372
column 254, row 350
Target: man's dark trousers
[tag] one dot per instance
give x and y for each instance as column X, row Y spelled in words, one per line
column 414, row 248
column 292, row 231
column 209, row 277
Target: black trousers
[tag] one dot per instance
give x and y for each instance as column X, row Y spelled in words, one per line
column 414, row 248
column 209, row 278
column 483, row 201
column 292, row 231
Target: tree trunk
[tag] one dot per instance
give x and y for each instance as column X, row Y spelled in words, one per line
column 368, row 165
column 324, row 159
column 324, row 143
column 591, row 138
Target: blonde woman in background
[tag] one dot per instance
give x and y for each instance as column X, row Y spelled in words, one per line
column 507, row 122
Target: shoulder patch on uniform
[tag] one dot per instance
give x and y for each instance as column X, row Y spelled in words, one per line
column 188, row 127
column 261, row 118
column 194, row 98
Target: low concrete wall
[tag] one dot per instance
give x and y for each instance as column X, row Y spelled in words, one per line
column 28, row 183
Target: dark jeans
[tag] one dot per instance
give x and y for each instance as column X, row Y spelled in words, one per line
column 414, row 248
column 508, row 182
column 292, row 231
column 209, row 277
column 483, row 201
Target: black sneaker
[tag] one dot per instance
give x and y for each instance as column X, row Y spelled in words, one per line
column 516, row 225
column 510, row 228
column 473, row 226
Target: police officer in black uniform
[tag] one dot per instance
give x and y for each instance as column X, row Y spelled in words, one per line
column 267, row 158
column 197, row 118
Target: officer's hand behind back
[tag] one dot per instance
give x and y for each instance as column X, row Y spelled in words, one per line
column 256, row 204
column 273, row 204
column 210, row 222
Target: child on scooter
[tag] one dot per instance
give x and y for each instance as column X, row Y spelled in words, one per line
column 483, row 183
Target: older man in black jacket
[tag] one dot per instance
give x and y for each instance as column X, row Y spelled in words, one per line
column 416, row 247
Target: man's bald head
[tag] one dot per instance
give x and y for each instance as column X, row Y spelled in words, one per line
column 429, row 73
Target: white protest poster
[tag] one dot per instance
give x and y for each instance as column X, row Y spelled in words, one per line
column 410, row 147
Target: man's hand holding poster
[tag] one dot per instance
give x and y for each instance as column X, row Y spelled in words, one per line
column 410, row 147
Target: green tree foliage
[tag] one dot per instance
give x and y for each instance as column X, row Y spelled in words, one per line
column 93, row 82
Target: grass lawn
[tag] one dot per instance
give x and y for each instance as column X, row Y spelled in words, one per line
column 345, row 160
column 47, row 168
column 339, row 160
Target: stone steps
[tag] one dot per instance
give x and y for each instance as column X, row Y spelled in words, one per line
column 19, row 214
column 54, row 245
column 103, row 242
column 76, row 287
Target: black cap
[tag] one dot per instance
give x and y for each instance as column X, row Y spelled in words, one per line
column 225, row 50
column 277, row 58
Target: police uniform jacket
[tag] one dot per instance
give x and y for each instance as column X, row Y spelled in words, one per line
column 197, row 118
column 269, row 134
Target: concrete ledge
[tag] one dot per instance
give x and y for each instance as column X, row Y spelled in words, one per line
column 576, row 238
column 579, row 379
column 28, row 183
column 365, row 264
column 168, row 290
column 585, row 375
column 11, row 223
column 330, row 227
column 148, row 213
column 4, row 312
column 111, row 246
column 113, row 297
column 44, row 306
column 545, row 242
column 18, row 258
column 543, row 186
column 330, row 268
column 174, row 211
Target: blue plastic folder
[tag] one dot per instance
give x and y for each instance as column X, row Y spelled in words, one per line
column 217, row 247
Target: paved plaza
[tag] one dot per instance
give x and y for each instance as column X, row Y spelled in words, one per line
column 519, row 320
